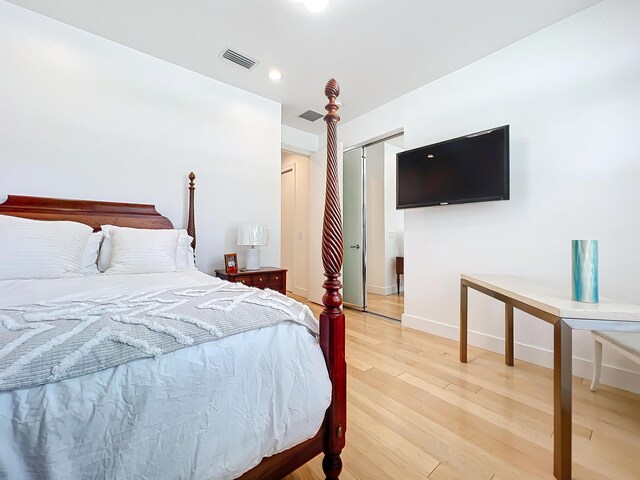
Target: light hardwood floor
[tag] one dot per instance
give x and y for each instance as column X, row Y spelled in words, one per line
column 416, row 412
column 387, row 305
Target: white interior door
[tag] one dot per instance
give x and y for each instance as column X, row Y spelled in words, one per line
column 287, row 220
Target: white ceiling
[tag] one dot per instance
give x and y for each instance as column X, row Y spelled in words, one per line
column 376, row 49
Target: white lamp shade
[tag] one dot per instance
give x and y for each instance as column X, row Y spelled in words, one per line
column 251, row 234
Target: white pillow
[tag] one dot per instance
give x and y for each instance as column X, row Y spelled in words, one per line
column 184, row 255
column 137, row 250
column 184, row 251
column 90, row 255
column 41, row 249
column 106, row 250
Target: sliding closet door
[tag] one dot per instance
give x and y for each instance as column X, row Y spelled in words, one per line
column 354, row 247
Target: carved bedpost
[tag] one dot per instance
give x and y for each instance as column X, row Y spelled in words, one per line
column 332, row 324
column 191, row 223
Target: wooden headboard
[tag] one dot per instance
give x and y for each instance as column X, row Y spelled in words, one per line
column 94, row 213
column 89, row 212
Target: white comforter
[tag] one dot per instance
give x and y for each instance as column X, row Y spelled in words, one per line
column 211, row 411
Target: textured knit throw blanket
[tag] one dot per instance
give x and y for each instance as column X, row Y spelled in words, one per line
column 51, row 341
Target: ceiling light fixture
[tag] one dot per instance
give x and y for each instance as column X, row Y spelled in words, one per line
column 275, row 74
column 314, row 6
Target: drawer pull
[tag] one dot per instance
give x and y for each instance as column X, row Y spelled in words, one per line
column 277, row 278
column 260, row 279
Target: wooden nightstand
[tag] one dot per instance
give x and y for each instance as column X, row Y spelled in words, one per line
column 266, row 277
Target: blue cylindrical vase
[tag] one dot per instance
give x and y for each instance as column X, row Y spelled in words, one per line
column 584, row 270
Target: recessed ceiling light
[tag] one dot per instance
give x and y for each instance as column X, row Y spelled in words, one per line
column 316, row 5
column 275, row 74
column 430, row 155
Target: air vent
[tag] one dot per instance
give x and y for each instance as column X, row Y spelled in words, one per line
column 239, row 58
column 311, row 115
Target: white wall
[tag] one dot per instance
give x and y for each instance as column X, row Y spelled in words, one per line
column 299, row 276
column 84, row 117
column 393, row 220
column 570, row 93
column 385, row 224
column 376, row 261
column 299, row 141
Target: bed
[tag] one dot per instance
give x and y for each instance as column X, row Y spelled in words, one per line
column 254, row 404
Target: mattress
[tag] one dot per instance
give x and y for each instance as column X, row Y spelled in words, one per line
column 211, row 411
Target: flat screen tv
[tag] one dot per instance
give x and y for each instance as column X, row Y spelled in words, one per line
column 473, row 168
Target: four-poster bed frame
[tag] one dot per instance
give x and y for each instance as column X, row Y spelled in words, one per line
column 330, row 439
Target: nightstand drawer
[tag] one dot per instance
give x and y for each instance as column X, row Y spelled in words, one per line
column 276, row 280
column 260, row 280
column 244, row 279
column 276, row 277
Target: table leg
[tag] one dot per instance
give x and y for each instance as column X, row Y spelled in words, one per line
column 508, row 334
column 463, row 322
column 398, row 282
column 562, row 357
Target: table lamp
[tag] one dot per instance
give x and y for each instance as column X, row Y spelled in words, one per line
column 253, row 235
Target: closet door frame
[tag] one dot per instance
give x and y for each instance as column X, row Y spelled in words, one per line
column 363, row 241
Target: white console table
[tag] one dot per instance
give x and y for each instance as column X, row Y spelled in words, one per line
column 556, row 308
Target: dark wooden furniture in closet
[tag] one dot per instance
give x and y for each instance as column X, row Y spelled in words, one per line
column 399, row 270
column 266, row 277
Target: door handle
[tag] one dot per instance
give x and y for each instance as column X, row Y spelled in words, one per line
column 354, row 246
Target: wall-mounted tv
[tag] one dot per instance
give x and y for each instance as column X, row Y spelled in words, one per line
column 473, row 168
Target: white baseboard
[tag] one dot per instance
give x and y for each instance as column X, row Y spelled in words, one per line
column 301, row 292
column 614, row 376
column 376, row 289
column 379, row 290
